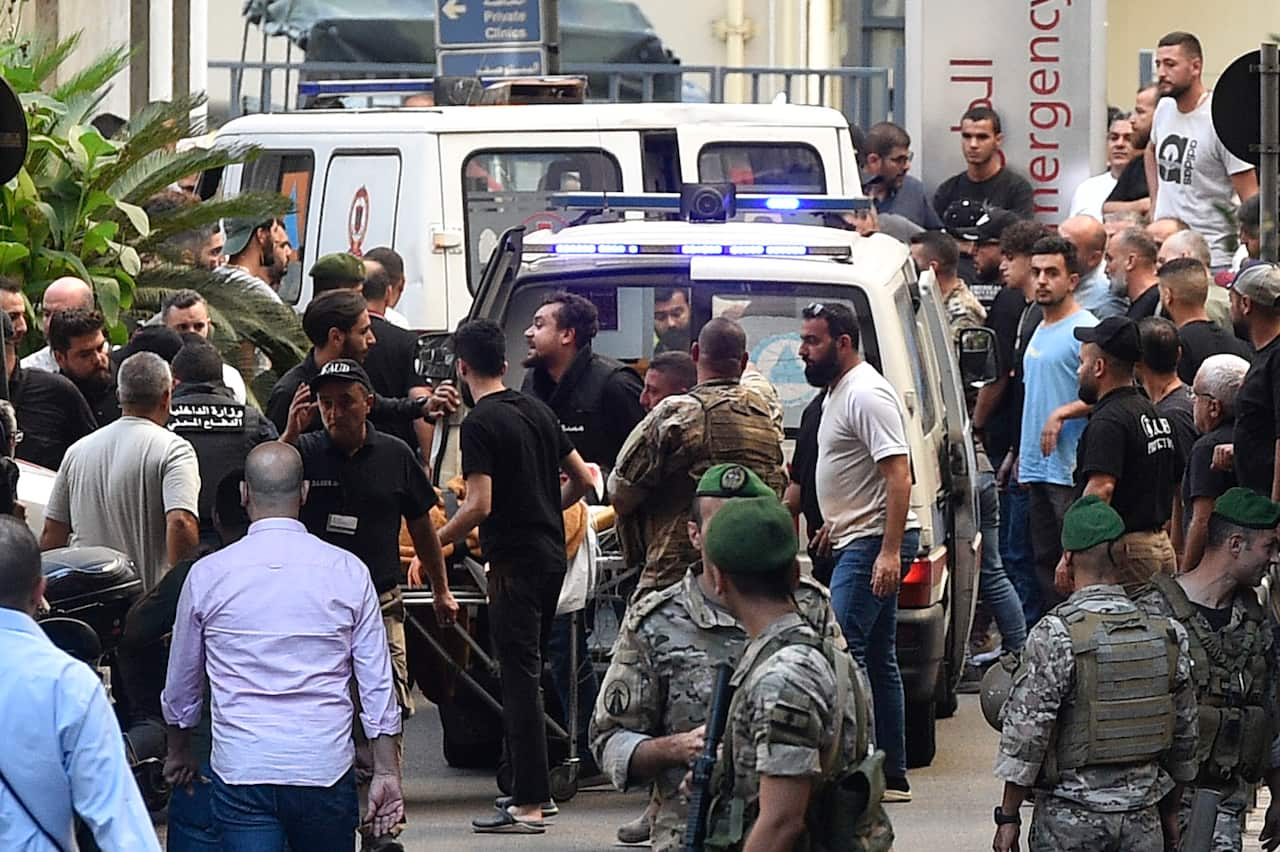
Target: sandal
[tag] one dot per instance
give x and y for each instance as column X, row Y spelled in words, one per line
column 504, row 822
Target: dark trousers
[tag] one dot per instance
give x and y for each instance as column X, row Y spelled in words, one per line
column 522, row 606
column 1049, row 503
column 274, row 818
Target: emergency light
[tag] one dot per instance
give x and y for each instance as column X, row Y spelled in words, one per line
column 692, row 249
column 670, row 202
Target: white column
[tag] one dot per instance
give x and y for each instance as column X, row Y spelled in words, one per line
column 198, row 39
column 160, row 51
column 819, row 42
column 735, row 49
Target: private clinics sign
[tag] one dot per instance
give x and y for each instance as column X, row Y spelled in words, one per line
column 1041, row 64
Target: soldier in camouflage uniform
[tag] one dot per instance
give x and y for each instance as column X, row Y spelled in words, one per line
column 718, row 420
column 1101, row 718
column 653, row 702
column 1233, row 663
column 798, row 727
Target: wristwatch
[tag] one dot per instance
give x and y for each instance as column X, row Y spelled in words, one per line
column 1002, row 818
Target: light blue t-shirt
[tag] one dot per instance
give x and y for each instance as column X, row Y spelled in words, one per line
column 1049, row 377
column 1093, row 293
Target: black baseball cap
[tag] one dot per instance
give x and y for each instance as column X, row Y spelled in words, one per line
column 961, row 218
column 992, row 226
column 341, row 370
column 1116, row 336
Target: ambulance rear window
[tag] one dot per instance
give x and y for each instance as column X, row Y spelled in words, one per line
column 763, row 167
column 508, row 188
column 290, row 174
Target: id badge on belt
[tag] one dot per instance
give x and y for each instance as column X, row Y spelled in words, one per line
column 343, row 524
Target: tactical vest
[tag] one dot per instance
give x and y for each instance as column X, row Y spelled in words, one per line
column 1121, row 710
column 739, row 429
column 846, row 805
column 222, row 432
column 580, row 408
column 1232, row 688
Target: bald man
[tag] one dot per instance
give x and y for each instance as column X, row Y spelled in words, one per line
column 64, row 294
column 1093, row 293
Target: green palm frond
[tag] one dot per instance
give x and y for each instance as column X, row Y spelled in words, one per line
column 259, row 206
column 158, row 169
column 95, row 78
column 47, row 57
column 165, row 122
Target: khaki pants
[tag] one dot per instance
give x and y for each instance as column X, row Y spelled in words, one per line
column 1142, row 555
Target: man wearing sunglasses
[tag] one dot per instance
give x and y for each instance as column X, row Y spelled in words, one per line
column 887, row 153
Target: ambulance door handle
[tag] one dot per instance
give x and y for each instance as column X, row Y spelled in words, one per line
column 909, row 397
column 445, row 239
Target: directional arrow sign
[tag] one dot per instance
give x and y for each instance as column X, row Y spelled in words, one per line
column 488, row 23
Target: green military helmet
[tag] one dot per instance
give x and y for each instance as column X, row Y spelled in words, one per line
column 732, row 480
column 996, row 684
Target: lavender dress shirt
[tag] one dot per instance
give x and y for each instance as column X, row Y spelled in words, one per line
column 281, row 621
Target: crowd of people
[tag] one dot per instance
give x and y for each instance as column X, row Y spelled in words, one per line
column 1127, row 481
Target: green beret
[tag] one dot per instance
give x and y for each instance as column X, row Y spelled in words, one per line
column 1090, row 521
column 732, row 480
column 753, row 535
column 1248, row 509
column 338, row 266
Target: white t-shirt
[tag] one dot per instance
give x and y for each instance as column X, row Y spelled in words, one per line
column 115, row 486
column 1195, row 170
column 396, row 318
column 1091, row 195
column 862, row 425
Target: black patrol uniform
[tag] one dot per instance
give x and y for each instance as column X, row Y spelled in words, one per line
column 384, row 408
column 389, row 364
column 1129, row 439
column 597, row 402
column 222, row 431
column 356, row 502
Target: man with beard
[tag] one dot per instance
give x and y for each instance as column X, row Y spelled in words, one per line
column 1128, row 452
column 887, row 151
column 1131, row 267
column 986, row 179
column 337, row 324
column 1192, row 175
column 1130, row 192
column 254, row 254
column 669, row 374
column 1047, row 445
column 671, row 316
column 864, row 492
column 1092, row 192
column 80, row 349
column 1094, row 293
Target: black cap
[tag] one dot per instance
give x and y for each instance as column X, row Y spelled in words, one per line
column 961, row 218
column 158, row 339
column 342, row 370
column 992, row 226
column 1116, row 336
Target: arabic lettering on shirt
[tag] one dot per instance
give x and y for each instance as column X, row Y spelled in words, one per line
column 206, row 417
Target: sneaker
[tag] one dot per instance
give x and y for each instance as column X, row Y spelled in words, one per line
column 549, row 807
column 636, row 831
column 896, row 790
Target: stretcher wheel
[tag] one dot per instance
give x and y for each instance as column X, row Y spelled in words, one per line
column 564, row 782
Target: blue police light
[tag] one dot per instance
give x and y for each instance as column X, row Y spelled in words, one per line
column 782, row 202
column 702, row 248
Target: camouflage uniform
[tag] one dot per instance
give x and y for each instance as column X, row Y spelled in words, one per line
column 781, row 724
column 661, row 677
column 1093, row 807
column 669, row 450
column 1237, row 794
column 963, row 308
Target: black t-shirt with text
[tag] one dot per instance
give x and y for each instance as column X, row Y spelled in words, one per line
column 516, row 441
column 1257, row 413
column 356, row 502
column 1201, row 339
column 1006, row 189
column 1127, row 438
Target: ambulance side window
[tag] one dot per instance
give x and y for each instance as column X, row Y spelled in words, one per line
column 289, row 173
column 763, row 167
column 508, row 188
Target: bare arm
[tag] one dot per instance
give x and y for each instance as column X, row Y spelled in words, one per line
column 1007, row 835
column 579, row 482
column 54, row 534
column 427, row 548
column 1101, row 485
column 181, row 535
column 791, row 498
column 1245, row 184
column 654, row 755
column 1149, row 166
column 783, row 803
column 1176, row 526
column 989, row 397
column 1197, row 532
column 896, row 471
column 1141, row 205
column 473, row 510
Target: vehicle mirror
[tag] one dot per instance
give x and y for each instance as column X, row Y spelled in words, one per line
column 433, row 360
column 976, row 350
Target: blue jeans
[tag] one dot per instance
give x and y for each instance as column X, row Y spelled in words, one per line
column 993, row 584
column 191, row 824
column 1015, row 550
column 273, row 817
column 870, row 625
column 588, row 684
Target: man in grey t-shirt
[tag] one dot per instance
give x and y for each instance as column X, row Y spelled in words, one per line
column 132, row 485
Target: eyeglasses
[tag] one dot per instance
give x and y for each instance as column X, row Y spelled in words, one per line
column 903, row 159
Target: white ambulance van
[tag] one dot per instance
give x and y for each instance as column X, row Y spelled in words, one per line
column 439, row 185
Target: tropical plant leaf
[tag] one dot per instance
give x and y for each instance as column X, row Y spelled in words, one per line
column 11, row 254
column 48, row 57
column 94, row 78
column 161, row 168
column 137, row 217
column 259, row 206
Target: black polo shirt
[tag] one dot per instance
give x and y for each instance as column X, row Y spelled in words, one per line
column 356, row 502
column 52, row 415
column 1257, row 413
column 389, row 364
column 1127, row 438
column 1203, row 338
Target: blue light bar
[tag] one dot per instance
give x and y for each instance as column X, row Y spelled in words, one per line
column 782, row 202
column 702, row 248
column 692, row 250
column 392, row 86
column 669, row 202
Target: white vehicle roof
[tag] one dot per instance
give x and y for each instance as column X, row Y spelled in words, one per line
column 871, row 261
column 543, row 117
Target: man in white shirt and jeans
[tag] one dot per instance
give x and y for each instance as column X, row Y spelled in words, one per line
column 864, row 491
column 1191, row 174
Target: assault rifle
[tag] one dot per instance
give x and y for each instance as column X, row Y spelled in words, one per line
column 695, row 831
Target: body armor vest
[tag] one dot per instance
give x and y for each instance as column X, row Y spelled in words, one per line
column 739, row 430
column 1233, row 683
column 1121, row 710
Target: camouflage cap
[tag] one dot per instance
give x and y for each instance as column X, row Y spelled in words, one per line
column 732, row 480
column 753, row 535
column 1248, row 509
column 338, row 266
column 1090, row 521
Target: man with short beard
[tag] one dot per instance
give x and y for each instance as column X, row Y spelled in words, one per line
column 80, row 349
column 1127, row 454
column 254, row 254
column 1131, row 266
